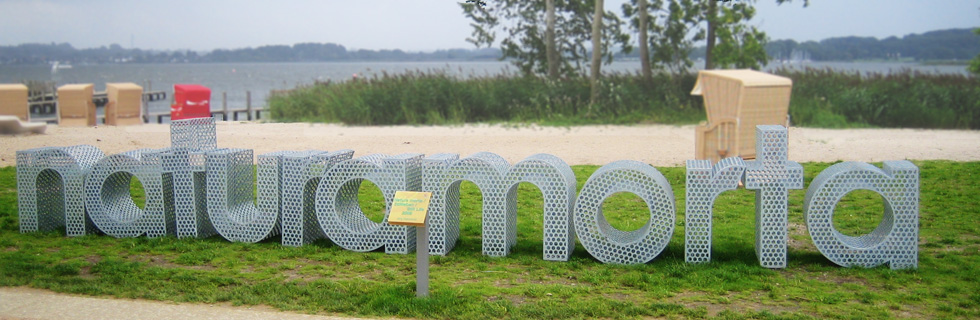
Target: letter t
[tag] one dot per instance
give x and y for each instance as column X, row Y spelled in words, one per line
column 772, row 175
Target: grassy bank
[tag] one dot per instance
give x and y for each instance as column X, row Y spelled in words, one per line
column 323, row 278
column 821, row 98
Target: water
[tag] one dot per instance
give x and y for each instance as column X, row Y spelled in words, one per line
column 873, row 67
column 235, row 79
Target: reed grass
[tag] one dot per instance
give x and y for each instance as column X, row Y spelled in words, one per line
column 821, row 98
column 904, row 99
column 436, row 98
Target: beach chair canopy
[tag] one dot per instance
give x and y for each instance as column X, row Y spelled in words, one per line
column 736, row 101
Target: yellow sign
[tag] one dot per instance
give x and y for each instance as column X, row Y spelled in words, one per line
column 409, row 208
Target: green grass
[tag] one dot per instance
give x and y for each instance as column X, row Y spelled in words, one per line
column 323, row 278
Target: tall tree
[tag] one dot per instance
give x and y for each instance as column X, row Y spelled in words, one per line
column 596, row 49
column 730, row 42
column 524, row 27
column 738, row 45
column 677, row 24
column 669, row 32
column 551, row 46
column 643, row 19
column 711, row 17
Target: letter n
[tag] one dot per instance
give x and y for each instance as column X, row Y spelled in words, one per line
column 50, row 188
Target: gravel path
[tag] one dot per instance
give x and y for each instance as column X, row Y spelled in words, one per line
column 28, row 303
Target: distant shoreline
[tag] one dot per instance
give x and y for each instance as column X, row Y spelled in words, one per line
column 773, row 62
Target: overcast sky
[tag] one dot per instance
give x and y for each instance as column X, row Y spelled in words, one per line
column 411, row 25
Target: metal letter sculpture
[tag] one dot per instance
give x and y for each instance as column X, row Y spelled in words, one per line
column 340, row 215
column 704, row 184
column 301, row 174
column 195, row 189
column 611, row 245
column 229, row 194
column 190, row 140
column 894, row 241
column 50, row 188
column 110, row 204
column 498, row 182
column 772, row 175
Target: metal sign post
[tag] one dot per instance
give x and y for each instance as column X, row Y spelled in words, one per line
column 410, row 209
column 422, row 261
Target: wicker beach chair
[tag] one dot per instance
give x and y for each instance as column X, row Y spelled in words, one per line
column 13, row 101
column 736, row 102
column 125, row 104
column 75, row 106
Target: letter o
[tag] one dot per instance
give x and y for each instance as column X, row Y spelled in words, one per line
column 611, row 245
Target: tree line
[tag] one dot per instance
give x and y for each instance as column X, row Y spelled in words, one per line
column 34, row 53
column 951, row 44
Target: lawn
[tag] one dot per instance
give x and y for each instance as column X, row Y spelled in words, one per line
column 323, row 278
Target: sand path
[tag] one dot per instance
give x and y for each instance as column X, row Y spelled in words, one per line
column 659, row 145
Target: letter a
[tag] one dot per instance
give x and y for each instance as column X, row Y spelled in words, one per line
column 895, row 240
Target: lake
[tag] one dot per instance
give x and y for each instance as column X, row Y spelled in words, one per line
column 260, row 78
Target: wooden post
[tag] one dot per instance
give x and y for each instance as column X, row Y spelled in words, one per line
column 224, row 104
column 248, row 104
column 144, row 103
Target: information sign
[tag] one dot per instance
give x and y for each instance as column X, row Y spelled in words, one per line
column 409, row 208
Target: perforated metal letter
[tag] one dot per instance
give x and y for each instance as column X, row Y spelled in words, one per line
column 772, row 175
column 60, row 172
column 704, row 184
column 110, row 205
column 498, row 182
column 229, row 186
column 339, row 213
column 894, row 241
column 301, row 176
column 190, row 139
column 611, row 245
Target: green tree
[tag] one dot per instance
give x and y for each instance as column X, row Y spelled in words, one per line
column 524, row 25
column 676, row 24
column 738, row 45
column 667, row 32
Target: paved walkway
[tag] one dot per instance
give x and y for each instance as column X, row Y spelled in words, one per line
column 21, row 303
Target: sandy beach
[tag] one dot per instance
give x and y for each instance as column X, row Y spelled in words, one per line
column 659, row 145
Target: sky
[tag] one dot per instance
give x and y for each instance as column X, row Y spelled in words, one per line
column 410, row 25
